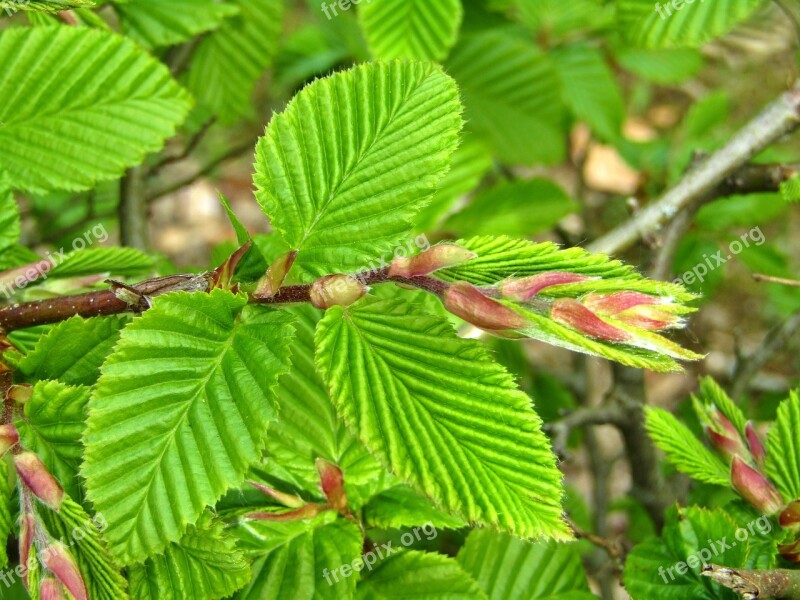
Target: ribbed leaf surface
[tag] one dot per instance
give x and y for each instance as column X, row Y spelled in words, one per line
column 512, row 97
column 441, row 415
column 6, row 520
column 205, row 564
column 125, row 262
column 52, row 426
column 107, row 104
column 228, row 63
column 417, row 29
column 162, row 447
column 296, row 560
column 419, row 576
column 642, row 23
column 783, row 448
column 155, row 23
column 345, row 168
column 11, row 6
column 9, row 216
column 508, row 568
column 402, row 506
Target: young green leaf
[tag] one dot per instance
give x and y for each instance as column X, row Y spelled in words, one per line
column 419, row 576
column 416, row 29
column 228, row 62
column 344, row 169
column 441, row 415
column 402, row 506
column 670, row 25
column 711, row 394
column 512, row 96
column 125, row 262
column 508, row 568
column 684, row 450
column 301, row 560
column 205, row 564
column 783, row 448
column 560, row 18
column 160, row 448
column 109, row 104
column 9, row 216
column 52, row 426
column 48, row 6
column 154, row 23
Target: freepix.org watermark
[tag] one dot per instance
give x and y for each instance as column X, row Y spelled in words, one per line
column 332, row 10
column 715, row 548
column 712, row 262
column 378, row 553
column 665, row 11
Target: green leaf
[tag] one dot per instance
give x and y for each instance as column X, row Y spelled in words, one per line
column 83, row 533
column 205, row 564
column 783, row 448
column 72, row 351
column 518, row 208
column 512, row 96
column 663, row 66
column 684, row 450
column 471, row 161
column 6, row 518
column 154, row 23
column 508, row 568
column 401, row 506
column 590, row 89
column 711, row 394
column 125, row 262
column 9, row 216
column 160, row 448
column 559, row 18
column 228, row 62
column 790, row 189
column 297, row 560
column 109, row 105
column 52, row 425
column 49, row 6
column 416, row 29
column 419, row 576
column 662, row 25
column 441, row 415
column 344, row 169
column 747, row 210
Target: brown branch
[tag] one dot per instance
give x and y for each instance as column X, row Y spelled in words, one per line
column 781, row 584
column 133, row 210
column 586, row 415
column 781, row 280
column 778, row 119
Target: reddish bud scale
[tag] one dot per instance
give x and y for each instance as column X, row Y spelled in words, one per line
column 9, row 437
column 438, row 257
column 332, row 482
column 756, row 446
column 222, row 277
column 61, row 563
column 38, row 480
column 790, row 552
column 27, row 529
column 309, row 511
column 336, row 290
column 469, row 303
column 611, row 304
column 790, row 516
column 285, row 499
column 269, row 285
column 575, row 315
column 51, row 589
column 525, row 289
column 754, row 487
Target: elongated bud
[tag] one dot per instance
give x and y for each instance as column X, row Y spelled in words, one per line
column 790, row 516
column 790, row 552
column 635, row 309
column 20, row 393
column 308, row 511
column 336, row 290
column 469, row 303
column 27, row 529
column 26, row 274
column 51, row 589
column 285, row 499
column 37, row 478
column 573, row 314
column 756, row 446
column 222, row 277
column 269, row 285
column 526, row 288
column 754, row 487
column 9, row 437
column 723, row 435
column 61, row 563
column 332, row 481
column 437, row 257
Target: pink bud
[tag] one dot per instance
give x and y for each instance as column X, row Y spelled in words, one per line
column 633, row 308
column 332, row 481
column 336, row 290
column 790, row 517
column 37, row 478
column 754, row 487
column 269, row 285
column 9, row 437
column 285, row 499
column 469, row 303
column 575, row 315
column 50, row 589
column 723, row 435
column 526, row 288
column 611, row 304
column 756, row 446
column 61, row 563
column 437, row 257
column 309, row 511
column 27, row 529
column 790, row 552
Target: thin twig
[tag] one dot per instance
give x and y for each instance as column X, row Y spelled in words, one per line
column 769, row 279
column 190, row 147
column 133, row 210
